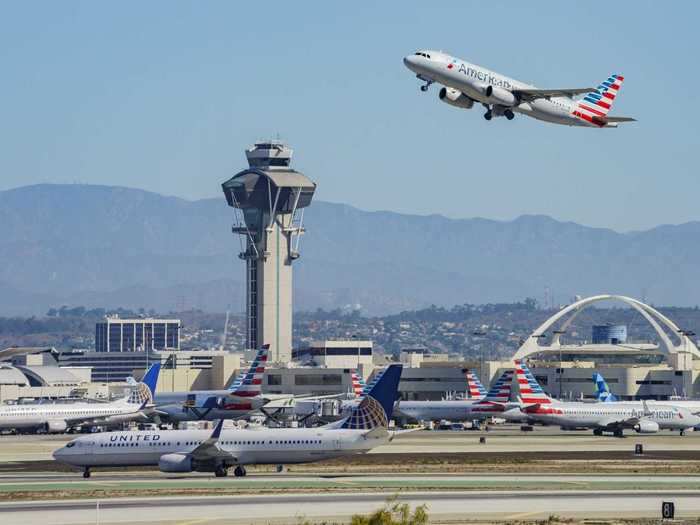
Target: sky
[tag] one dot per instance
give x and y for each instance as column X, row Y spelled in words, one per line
column 165, row 96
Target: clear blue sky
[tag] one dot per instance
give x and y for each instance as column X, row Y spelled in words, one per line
column 166, row 95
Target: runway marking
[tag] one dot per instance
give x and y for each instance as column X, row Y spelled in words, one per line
column 194, row 522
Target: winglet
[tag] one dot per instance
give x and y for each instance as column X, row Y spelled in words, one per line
column 217, row 431
column 150, row 378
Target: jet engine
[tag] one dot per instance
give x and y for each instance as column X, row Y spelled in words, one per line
column 56, row 425
column 502, row 97
column 646, row 427
column 175, row 463
column 456, row 98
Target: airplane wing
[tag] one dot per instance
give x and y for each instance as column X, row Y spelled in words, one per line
column 532, row 94
column 209, row 448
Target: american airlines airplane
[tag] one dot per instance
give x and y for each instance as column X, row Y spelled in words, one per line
column 466, row 84
column 243, row 397
column 494, row 403
column 59, row 417
column 204, row 451
column 612, row 416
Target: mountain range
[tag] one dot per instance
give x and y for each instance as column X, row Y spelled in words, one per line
column 103, row 246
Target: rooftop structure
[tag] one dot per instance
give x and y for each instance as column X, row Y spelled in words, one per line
column 137, row 335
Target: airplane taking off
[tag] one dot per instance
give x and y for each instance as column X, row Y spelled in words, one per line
column 465, row 83
column 204, row 451
column 613, row 416
column 59, row 417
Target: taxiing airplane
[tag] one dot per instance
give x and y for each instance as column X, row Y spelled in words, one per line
column 204, row 451
column 59, row 417
column 614, row 417
column 494, row 403
column 466, row 84
column 243, row 397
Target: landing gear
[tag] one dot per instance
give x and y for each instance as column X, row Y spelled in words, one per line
column 509, row 114
column 597, row 432
column 425, row 86
column 86, row 472
column 619, row 433
column 280, row 469
column 239, row 472
column 221, row 472
column 682, row 432
column 488, row 115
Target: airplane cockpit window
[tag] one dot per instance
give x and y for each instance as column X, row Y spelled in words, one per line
column 71, row 444
column 421, row 54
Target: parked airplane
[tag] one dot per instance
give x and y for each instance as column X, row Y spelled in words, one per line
column 465, row 83
column 494, row 403
column 59, row 417
column 615, row 416
column 242, row 397
column 205, row 451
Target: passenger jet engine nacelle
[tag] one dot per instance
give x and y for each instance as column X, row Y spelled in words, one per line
column 56, row 425
column 175, row 463
column 500, row 96
column 646, row 427
column 455, row 97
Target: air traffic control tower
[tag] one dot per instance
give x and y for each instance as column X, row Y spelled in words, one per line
column 269, row 200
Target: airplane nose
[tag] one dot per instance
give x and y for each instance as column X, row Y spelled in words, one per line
column 409, row 61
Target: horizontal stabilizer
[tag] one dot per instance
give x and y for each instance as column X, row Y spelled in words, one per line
column 620, row 119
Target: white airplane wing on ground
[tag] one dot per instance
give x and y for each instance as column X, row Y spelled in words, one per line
column 209, row 448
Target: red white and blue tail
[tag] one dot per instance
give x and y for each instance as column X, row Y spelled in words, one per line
column 500, row 391
column 529, row 389
column 474, row 387
column 594, row 107
column 358, row 384
column 249, row 383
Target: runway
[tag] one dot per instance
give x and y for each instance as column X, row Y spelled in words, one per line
column 278, row 509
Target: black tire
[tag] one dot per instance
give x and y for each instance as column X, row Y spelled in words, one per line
column 424, row 88
column 221, row 472
column 509, row 114
column 597, row 432
column 488, row 115
column 239, row 472
column 86, row 473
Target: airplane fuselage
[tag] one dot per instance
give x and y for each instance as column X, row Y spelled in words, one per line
column 472, row 80
column 265, row 446
column 452, row 410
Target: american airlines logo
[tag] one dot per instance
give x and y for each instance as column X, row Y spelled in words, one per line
column 487, row 78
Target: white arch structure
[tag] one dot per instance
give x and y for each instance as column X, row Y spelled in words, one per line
column 652, row 316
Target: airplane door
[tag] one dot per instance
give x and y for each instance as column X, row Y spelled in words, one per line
column 337, row 444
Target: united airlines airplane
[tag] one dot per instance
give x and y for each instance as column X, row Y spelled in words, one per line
column 494, row 403
column 59, row 417
column 466, row 84
column 613, row 416
column 204, row 451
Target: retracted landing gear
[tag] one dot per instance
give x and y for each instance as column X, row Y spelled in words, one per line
column 86, row 472
column 221, row 471
column 239, row 472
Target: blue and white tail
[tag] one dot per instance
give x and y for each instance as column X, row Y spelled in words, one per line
column 474, row 387
column 500, row 391
column 249, row 383
column 603, row 393
column 377, row 406
column 143, row 392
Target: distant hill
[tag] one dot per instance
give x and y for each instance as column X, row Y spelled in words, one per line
column 112, row 246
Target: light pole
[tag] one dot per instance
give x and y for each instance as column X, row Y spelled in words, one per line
column 558, row 334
